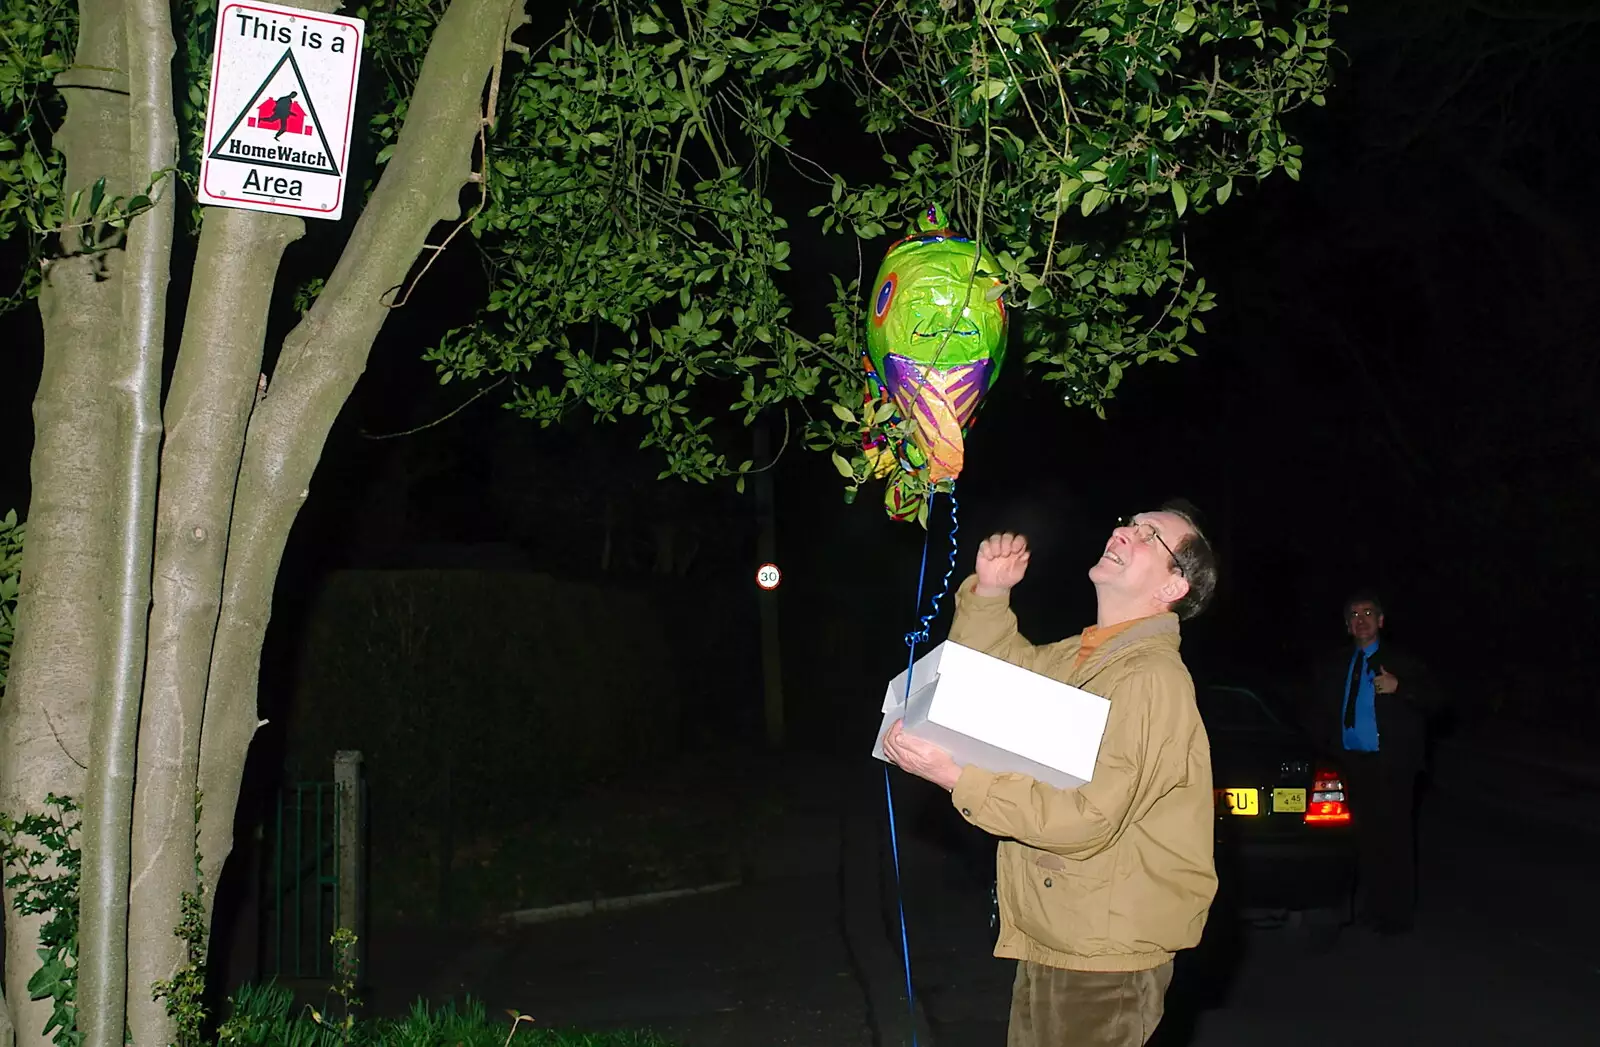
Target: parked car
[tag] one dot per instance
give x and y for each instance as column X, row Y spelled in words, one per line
column 1285, row 849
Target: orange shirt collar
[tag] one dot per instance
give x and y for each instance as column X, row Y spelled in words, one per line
column 1096, row 635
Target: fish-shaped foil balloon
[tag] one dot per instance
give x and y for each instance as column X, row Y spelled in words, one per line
column 936, row 338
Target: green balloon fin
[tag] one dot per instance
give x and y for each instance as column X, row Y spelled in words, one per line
column 933, row 219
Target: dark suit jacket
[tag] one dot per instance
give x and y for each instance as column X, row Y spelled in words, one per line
column 1402, row 716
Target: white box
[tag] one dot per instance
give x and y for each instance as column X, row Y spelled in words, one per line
column 991, row 714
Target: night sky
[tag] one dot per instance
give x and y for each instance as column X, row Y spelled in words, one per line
column 1395, row 392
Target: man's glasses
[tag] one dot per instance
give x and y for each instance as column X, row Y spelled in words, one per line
column 1145, row 531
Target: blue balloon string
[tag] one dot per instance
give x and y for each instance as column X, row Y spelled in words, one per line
column 916, row 636
column 921, row 634
column 905, row 947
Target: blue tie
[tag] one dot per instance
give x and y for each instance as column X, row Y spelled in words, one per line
column 1355, row 688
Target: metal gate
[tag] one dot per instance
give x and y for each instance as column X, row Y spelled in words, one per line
column 313, row 882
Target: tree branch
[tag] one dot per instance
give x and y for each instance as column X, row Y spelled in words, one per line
column 1582, row 13
column 474, row 398
column 1516, row 197
column 321, row 360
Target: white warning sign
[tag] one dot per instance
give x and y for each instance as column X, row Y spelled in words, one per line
column 279, row 121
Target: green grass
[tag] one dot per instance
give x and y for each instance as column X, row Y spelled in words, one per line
column 265, row 1016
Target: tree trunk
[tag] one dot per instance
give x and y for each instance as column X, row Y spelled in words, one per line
column 59, row 665
column 771, row 635
column 114, row 725
column 208, row 406
column 610, row 527
column 82, row 631
column 666, row 547
column 322, row 359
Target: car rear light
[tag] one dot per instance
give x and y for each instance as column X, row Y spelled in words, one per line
column 1328, row 805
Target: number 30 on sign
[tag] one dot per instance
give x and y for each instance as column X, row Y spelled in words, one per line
column 768, row 576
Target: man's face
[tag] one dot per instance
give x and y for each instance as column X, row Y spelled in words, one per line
column 1136, row 564
column 1363, row 620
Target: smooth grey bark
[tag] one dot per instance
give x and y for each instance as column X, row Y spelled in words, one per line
column 59, row 667
column 207, row 410
column 321, row 361
column 136, row 395
column 208, row 406
column 68, row 636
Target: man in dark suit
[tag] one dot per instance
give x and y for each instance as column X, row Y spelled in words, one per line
column 1372, row 703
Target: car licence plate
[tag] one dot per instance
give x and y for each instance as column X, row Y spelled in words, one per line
column 1289, row 801
column 1244, row 801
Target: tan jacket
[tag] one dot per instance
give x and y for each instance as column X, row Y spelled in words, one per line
column 1117, row 874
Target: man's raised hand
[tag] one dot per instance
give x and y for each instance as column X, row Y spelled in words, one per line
column 1002, row 561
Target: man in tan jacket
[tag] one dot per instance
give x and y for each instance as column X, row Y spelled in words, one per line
column 1099, row 885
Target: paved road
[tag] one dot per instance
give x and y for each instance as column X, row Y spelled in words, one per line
column 782, row 961
column 1507, row 951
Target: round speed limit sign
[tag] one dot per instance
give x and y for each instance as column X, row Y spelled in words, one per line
column 768, row 576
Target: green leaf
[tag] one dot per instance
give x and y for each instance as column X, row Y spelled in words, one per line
column 632, row 183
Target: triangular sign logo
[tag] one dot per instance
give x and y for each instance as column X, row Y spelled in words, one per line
column 279, row 127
